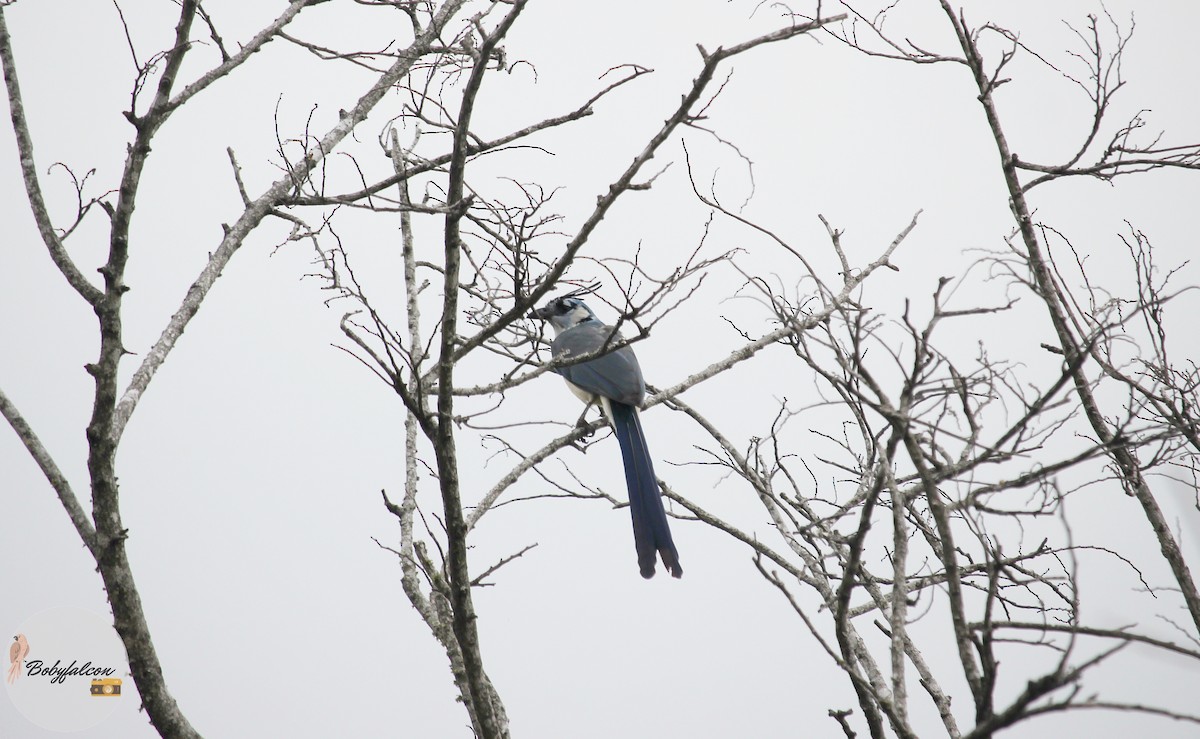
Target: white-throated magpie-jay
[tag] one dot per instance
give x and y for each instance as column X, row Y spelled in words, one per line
column 614, row 379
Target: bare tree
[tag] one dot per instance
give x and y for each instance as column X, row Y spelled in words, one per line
column 934, row 448
column 157, row 93
column 492, row 272
column 920, row 511
column 970, row 464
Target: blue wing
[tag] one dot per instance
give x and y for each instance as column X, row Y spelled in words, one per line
column 615, row 375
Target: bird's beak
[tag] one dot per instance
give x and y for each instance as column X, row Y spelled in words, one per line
column 537, row 313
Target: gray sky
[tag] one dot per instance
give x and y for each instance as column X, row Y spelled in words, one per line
column 251, row 471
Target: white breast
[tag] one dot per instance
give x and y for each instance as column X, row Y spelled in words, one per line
column 580, row 393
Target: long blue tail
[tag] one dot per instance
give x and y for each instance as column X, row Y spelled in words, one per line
column 651, row 534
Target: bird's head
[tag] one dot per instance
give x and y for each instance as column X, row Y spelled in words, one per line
column 564, row 312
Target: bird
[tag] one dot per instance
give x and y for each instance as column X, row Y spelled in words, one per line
column 614, row 381
column 17, row 651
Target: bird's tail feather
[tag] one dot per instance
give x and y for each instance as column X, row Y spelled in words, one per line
column 651, row 534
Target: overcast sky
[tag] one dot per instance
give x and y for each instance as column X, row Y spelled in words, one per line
column 250, row 474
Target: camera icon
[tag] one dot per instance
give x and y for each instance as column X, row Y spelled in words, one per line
column 109, row 686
